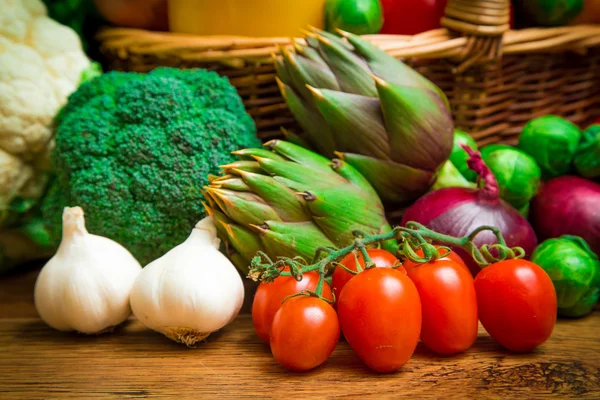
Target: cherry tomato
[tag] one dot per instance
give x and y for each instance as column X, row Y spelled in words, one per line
column 451, row 256
column 380, row 315
column 449, row 305
column 517, row 304
column 304, row 334
column 381, row 258
column 269, row 296
column 409, row 17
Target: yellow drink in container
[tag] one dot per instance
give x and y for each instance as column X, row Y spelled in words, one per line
column 258, row 18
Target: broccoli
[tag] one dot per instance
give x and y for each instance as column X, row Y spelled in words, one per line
column 135, row 150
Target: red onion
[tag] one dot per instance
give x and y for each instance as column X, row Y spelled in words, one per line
column 568, row 205
column 458, row 211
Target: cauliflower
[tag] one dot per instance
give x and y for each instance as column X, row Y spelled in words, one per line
column 41, row 63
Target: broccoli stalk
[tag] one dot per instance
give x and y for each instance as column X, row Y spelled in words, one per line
column 135, row 150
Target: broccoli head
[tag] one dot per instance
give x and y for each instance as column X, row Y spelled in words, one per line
column 135, row 150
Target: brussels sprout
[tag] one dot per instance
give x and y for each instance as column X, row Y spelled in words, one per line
column 459, row 156
column 587, row 158
column 449, row 176
column 552, row 141
column 575, row 271
column 517, row 173
column 485, row 151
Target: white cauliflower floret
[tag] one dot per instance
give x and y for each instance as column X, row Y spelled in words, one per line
column 41, row 62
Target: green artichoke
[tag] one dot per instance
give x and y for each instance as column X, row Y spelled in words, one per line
column 552, row 141
column 575, row 272
column 288, row 201
column 385, row 119
column 587, row 158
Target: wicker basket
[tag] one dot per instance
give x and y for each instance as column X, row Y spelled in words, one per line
column 496, row 79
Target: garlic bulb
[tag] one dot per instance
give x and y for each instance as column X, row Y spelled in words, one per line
column 85, row 286
column 191, row 291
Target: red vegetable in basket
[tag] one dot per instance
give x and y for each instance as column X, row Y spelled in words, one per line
column 568, row 205
column 409, row 17
column 459, row 211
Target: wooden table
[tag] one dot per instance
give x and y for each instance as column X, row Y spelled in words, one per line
column 37, row 362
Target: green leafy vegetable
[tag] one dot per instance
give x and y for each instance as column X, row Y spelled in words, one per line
column 134, row 150
column 575, row 271
column 552, row 141
column 517, row 173
column 587, row 158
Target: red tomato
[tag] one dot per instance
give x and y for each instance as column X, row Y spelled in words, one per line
column 380, row 315
column 381, row 258
column 517, row 304
column 269, row 296
column 452, row 256
column 304, row 334
column 449, row 306
column 409, row 17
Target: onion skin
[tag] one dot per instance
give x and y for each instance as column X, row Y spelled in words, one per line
column 568, row 205
column 459, row 211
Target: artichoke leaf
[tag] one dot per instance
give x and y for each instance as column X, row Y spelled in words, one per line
column 420, row 127
column 397, row 183
column 362, row 129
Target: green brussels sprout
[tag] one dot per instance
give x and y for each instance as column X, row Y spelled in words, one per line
column 517, row 173
column 486, row 150
column 587, row 158
column 459, row 156
column 575, row 271
column 449, row 176
column 552, row 141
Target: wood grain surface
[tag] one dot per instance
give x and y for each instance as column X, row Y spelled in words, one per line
column 37, row 362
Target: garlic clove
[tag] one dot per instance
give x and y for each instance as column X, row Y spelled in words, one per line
column 191, row 291
column 85, row 286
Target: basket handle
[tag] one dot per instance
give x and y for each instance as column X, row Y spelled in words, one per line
column 483, row 22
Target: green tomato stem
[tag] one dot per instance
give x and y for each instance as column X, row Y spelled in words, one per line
column 412, row 237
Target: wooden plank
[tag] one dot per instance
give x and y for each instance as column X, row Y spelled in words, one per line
column 133, row 362
column 37, row 362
